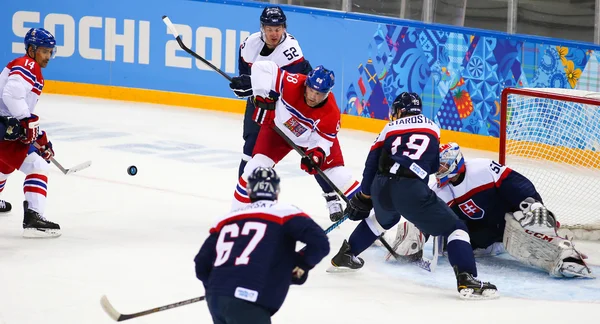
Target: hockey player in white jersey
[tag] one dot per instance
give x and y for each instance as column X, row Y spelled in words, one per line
column 21, row 84
column 273, row 43
column 504, row 213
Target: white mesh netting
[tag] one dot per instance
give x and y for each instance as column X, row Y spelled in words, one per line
column 556, row 144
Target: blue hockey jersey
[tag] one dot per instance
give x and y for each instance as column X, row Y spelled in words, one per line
column 411, row 143
column 250, row 253
column 487, row 192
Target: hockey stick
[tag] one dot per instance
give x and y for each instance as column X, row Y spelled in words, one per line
column 171, row 27
column 112, row 312
column 70, row 170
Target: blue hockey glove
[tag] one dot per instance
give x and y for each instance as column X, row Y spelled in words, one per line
column 359, row 207
column 241, row 86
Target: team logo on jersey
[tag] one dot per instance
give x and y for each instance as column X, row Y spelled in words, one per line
column 295, row 126
column 471, row 210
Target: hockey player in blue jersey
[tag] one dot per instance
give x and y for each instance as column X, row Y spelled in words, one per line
column 249, row 260
column 504, row 212
column 273, row 43
column 394, row 184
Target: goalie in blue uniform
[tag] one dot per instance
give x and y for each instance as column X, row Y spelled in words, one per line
column 504, row 213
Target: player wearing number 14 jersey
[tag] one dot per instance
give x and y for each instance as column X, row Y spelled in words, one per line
column 249, row 260
column 395, row 184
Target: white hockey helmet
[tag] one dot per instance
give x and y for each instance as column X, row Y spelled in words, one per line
column 451, row 163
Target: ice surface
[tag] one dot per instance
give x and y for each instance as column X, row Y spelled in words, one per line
column 133, row 238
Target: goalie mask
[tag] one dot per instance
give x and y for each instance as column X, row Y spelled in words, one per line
column 452, row 163
column 263, row 184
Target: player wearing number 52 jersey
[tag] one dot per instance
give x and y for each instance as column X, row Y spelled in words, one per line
column 21, row 84
column 249, row 260
column 395, row 184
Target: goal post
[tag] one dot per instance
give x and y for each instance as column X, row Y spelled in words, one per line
column 552, row 136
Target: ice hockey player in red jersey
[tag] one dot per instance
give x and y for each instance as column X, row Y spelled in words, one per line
column 273, row 43
column 21, row 84
column 304, row 109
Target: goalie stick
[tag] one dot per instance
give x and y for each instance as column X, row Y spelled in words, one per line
column 112, row 312
column 70, row 170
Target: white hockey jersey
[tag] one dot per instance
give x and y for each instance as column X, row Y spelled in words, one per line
column 21, row 85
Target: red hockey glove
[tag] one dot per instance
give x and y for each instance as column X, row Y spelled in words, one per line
column 265, row 108
column 44, row 147
column 31, row 127
column 316, row 157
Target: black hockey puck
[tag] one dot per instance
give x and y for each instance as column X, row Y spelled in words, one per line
column 132, row 170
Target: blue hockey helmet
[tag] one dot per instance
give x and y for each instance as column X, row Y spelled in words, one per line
column 320, row 79
column 273, row 16
column 39, row 37
column 452, row 163
column 407, row 104
column 263, row 184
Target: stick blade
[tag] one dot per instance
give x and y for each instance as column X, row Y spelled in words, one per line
column 79, row 167
column 109, row 309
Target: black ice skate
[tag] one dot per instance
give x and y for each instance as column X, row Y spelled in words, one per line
column 344, row 261
column 471, row 288
column 36, row 226
column 5, row 206
column 334, row 204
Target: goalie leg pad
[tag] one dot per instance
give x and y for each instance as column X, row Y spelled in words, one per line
column 553, row 254
column 409, row 239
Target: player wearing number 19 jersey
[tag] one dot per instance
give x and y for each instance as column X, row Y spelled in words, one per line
column 249, row 260
column 395, row 184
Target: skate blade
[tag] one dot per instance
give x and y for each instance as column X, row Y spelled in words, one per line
column 41, row 233
column 334, row 269
column 469, row 294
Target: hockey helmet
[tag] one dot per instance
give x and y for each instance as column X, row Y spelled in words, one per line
column 39, row 37
column 452, row 163
column 273, row 16
column 320, row 79
column 263, row 184
column 407, row 104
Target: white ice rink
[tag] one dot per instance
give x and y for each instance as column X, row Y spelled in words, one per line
column 134, row 238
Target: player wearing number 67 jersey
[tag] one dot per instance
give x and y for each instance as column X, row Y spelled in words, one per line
column 395, row 184
column 249, row 260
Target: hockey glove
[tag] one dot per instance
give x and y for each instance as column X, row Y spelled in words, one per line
column 359, row 207
column 300, row 272
column 31, row 128
column 14, row 130
column 44, row 147
column 314, row 159
column 241, row 86
column 536, row 217
column 265, row 108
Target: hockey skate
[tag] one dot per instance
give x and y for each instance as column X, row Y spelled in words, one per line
column 36, row 226
column 344, row 261
column 334, row 205
column 5, row 206
column 575, row 268
column 471, row 288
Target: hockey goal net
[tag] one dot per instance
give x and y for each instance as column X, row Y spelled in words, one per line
column 552, row 136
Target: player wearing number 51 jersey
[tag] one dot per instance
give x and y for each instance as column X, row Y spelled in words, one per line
column 395, row 185
column 249, row 260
